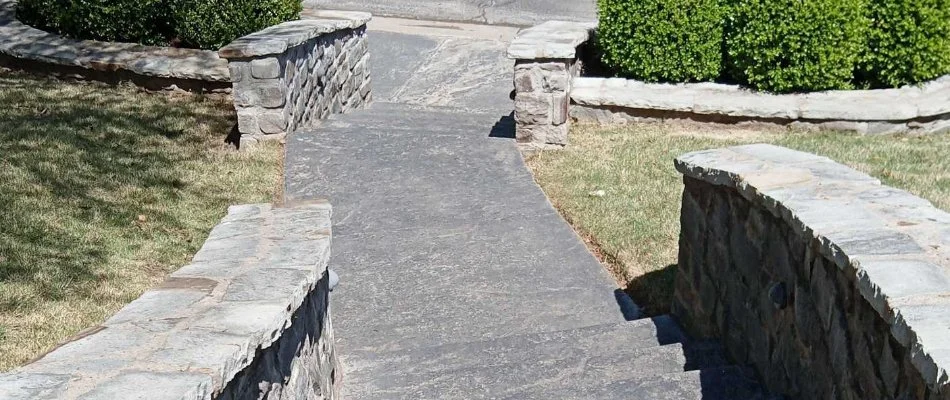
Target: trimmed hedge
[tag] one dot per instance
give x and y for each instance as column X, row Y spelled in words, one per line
column 777, row 45
column 137, row 21
column 662, row 40
column 212, row 24
column 206, row 24
column 908, row 42
column 795, row 45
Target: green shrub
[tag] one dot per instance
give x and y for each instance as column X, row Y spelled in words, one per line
column 662, row 40
column 908, row 42
column 206, row 24
column 795, row 45
column 212, row 24
column 138, row 21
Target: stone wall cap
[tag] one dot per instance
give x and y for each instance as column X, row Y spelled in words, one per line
column 550, row 40
column 895, row 245
column 930, row 99
column 356, row 19
column 22, row 41
column 191, row 335
column 278, row 38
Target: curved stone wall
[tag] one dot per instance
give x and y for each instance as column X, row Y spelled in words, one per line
column 22, row 46
column 829, row 284
column 248, row 319
column 913, row 109
column 540, row 88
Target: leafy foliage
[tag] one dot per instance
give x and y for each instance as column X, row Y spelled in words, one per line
column 138, row 21
column 662, row 40
column 206, row 24
column 908, row 42
column 777, row 45
column 795, row 45
column 212, row 24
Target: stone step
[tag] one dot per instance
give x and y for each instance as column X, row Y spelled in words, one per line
column 719, row 383
column 590, row 355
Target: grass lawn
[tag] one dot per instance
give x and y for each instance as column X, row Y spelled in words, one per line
column 634, row 226
column 104, row 190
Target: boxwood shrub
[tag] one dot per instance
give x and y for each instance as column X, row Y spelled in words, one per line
column 212, row 24
column 138, row 21
column 662, row 40
column 908, row 42
column 795, row 45
column 777, row 45
column 207, row 24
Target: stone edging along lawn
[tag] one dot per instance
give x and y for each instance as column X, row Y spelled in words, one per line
column 549, row 89
column 248, row 318
column 152, row 67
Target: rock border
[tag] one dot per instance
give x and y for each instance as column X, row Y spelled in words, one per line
column 923, row 108
column 248, row 318
column 892, row 247
column 151, row 67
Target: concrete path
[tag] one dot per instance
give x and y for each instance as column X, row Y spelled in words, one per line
column 440, row 233
column 459, row 280
column 505, row 12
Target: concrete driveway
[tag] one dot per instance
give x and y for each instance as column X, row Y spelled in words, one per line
column 503, row 12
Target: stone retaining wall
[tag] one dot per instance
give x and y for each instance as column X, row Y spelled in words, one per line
column 290, row 75
column 923, row 109
column 829, row 284
column 25, row 47
column 248, row 319
column 541, row 52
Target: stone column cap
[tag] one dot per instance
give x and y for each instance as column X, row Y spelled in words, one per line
column 552, row 39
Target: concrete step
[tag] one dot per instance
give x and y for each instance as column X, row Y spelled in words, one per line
column 588, row 356
column 569, row 371
column 598, row 339
column 719, row 383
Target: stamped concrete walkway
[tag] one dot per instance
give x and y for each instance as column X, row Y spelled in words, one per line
column 440, row 233
column 459, row 280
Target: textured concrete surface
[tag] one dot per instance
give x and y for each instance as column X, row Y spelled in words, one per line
column 458, row 279
column 504, row 12
column 441, row 71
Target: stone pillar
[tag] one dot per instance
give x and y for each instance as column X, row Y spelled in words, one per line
column 543, row 101
column 545, row 66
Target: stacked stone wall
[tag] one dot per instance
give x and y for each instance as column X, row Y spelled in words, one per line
column 247, row 319
column 829, row 284
column 292, row 75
